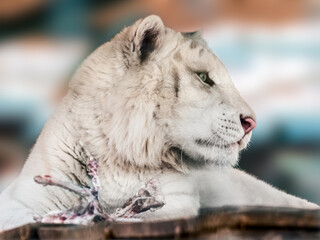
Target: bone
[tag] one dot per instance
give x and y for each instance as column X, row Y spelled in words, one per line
column 92, row 169
column 149, row 197
column 47, row 180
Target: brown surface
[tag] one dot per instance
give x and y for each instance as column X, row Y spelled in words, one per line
column 218, row 223
column 188, row 16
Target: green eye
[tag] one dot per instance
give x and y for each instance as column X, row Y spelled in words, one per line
column 204, row 78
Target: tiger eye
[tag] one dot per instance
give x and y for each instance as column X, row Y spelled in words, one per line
column 205, row 79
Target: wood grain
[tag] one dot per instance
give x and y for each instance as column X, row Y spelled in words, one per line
column 214, row 223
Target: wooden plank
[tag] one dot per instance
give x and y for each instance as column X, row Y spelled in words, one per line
column 26, row 232
column 94, row 232
column 221, row 218
column 271, row 217
column 253, row 234
column 156, row 229
column 241, row 221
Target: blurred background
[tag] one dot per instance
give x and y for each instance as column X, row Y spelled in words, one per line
column 271, row 48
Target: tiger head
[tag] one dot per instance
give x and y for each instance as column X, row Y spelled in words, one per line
column 164, row 93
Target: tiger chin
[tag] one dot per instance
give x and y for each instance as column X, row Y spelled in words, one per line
column 152, row 102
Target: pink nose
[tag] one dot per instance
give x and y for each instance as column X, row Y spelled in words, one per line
column 247, row 124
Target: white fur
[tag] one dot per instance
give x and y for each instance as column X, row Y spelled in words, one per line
column 141, row 119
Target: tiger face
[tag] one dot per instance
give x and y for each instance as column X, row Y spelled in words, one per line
column 208, row 121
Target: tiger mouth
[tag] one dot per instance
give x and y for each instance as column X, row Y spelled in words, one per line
column 208, row 143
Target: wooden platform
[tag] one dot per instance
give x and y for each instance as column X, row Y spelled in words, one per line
column 216, row 223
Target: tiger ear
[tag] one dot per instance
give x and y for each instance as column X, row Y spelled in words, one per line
column 147, row 37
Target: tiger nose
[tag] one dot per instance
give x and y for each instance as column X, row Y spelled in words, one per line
column 248, row 124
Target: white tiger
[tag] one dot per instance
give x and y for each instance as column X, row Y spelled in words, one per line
column 150, row 103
